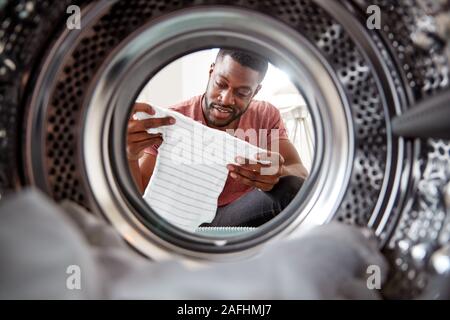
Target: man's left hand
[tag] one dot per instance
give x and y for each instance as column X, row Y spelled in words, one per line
column 264, row 173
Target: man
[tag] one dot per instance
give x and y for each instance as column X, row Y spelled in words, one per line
column 251, row 196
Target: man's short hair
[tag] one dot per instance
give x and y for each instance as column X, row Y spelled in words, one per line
column 246, row 59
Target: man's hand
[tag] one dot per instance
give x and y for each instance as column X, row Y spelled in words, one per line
column 263, row 174
column 138, row 139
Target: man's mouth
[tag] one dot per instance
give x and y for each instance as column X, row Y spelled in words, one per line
column 222, row 109
column 221, row 113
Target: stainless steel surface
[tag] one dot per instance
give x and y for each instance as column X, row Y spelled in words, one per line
column 447, row 197
column 439, row 275
column 420, row 253
column 440, row 261
column 358, row 79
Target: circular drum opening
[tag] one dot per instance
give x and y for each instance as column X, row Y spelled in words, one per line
column 80, row 106
column 161, row 42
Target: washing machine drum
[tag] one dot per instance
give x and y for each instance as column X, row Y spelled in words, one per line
column 70, row 71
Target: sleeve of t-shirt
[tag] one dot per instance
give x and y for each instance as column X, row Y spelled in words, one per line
column 276, row 123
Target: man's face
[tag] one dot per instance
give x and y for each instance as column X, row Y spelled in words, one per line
column 230, row 89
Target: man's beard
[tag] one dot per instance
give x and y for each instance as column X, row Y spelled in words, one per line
column 234, row 113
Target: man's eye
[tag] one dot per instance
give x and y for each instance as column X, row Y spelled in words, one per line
column 243, row 94
column 221, row 85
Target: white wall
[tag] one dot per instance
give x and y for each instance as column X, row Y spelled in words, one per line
column 180, row 80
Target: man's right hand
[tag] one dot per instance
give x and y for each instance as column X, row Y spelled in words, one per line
column 138, row 139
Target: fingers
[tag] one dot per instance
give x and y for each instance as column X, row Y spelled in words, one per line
column 250, row 173
column 157, row 122
column 270, row 156
column 136, row 126
column 263, row 160
column 138, row 138
column 136, row 147
column 264, row 169
column 142, row 107
column 251, row 165
column 153, row 122
column 253, row 183
column 142, row 136
column 253, row 175
column 141, row 145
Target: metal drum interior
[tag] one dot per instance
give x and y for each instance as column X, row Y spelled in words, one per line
column 63, row 92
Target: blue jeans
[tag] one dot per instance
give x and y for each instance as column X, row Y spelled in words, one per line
column 257, row 207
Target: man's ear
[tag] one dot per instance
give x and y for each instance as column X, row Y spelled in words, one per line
column 257, row 90
column 211, row 68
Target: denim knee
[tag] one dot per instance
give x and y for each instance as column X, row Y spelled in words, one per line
column 291, row 184
column 286, row 189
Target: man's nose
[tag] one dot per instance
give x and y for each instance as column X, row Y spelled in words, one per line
column 227, row 97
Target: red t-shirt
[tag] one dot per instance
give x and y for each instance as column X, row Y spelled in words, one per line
column 260, row 116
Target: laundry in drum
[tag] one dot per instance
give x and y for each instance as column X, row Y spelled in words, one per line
column 190, row 170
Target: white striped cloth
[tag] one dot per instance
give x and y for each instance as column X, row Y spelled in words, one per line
column 190, row 170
